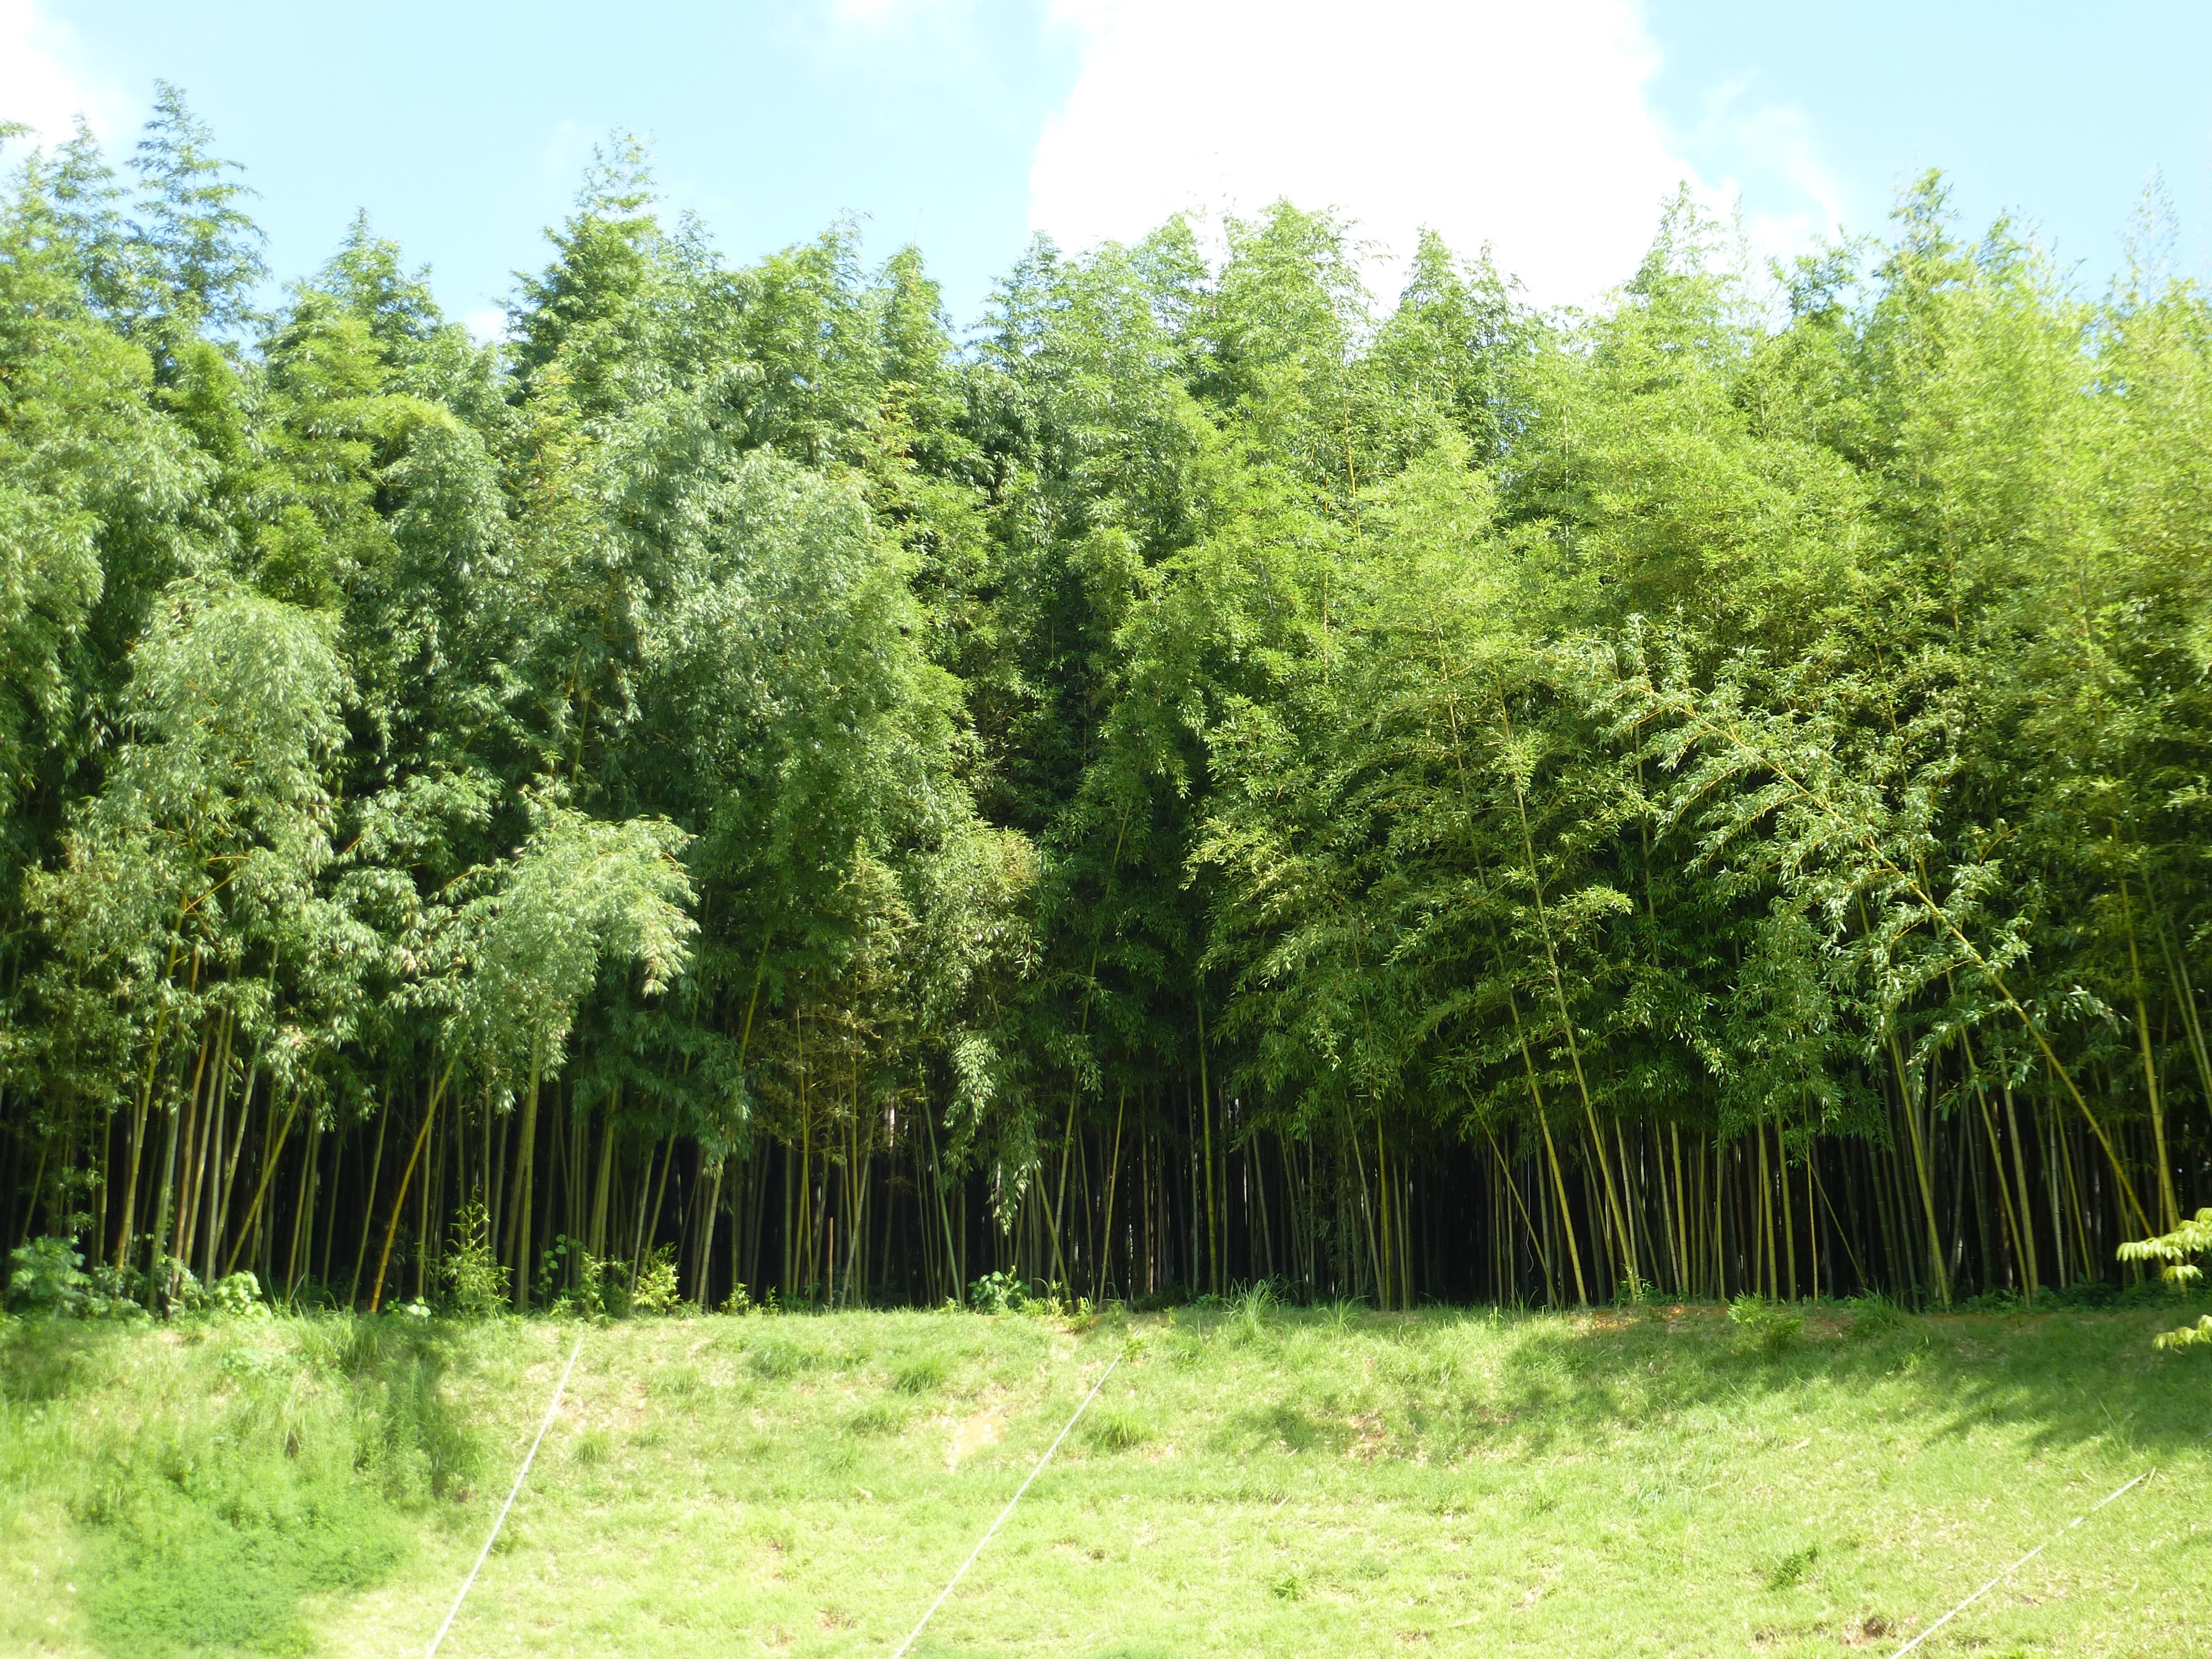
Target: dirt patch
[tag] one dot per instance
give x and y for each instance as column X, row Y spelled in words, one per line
column 1369, row 1437
column 971, row 1434
column 1867, row 1629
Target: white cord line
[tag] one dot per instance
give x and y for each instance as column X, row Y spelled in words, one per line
column 521, row 1475
column 1006, row 1511
column 2016, row 1567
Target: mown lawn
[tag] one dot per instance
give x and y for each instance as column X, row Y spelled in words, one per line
column 1265, row 1482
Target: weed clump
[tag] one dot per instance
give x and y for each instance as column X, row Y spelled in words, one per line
column 919, row 1376
column 1793, row 1568
column 1115, row 1428
column 776, row 1358
column 1764, row 1328
column 1874, row 1315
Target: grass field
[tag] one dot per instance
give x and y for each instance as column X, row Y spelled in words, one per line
column 1249, row 1482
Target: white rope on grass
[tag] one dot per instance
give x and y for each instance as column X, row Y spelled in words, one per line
column 513, row 1491
column 2016, row 1566
column 1004, row 1513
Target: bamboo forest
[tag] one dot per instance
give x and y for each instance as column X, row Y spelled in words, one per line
column 749, row 790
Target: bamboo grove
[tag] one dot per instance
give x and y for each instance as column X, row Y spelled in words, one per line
column 1204, row 778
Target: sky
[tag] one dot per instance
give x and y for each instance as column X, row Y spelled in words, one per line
column 1553, row 132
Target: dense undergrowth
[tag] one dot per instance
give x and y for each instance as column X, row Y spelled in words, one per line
column 1780, row 1478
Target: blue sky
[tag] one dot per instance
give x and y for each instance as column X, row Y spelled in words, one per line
column 1551, row 131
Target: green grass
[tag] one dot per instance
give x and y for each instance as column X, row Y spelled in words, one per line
column 1272, row 1481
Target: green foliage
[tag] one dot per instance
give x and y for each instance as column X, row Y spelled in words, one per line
column 997, row 1294
column 655, row 1292
column 476, row 1281
column 2172, row 1251
column 238, row 1295
column 1791, row 1570
column 217, row 1488
column 1219, row 720
column 1764, row 1328
column 46, row 1276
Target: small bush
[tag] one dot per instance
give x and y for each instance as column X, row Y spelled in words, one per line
column 1763, row 1327
column 657, row 1291
column 478, row 1281
column 997, row 1294
column 602, row 1287
column 238, row 1294
column 48, row 1276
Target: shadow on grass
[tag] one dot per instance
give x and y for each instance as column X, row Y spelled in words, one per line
column 2065, row 1378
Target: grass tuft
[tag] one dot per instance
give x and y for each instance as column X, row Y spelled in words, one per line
column 1115, row 1428
column 1791, row 1570
column 919, row 1376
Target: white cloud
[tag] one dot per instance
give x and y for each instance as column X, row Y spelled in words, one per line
column 486, row 324
column 1769, row 156
column 46, row 82
column 1524, row 124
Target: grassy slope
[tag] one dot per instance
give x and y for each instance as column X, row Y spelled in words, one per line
column 1308, row 1484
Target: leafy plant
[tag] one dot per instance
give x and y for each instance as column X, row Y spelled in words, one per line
column 657, row 1291
column 48, row 1276
column 1764, row 1328
column 998, row 1293
column 238, row 1294
column 2172, row 1252
column 476, row 1280
column 1792, row 1569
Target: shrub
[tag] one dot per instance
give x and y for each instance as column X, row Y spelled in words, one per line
column 479, row 1282
column 601, row 1290
column 48, row 1276
column 998, row 1293
column 1762, row 1327
column 238, row 1294
column 657, row 1291
column 2172, row 1252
